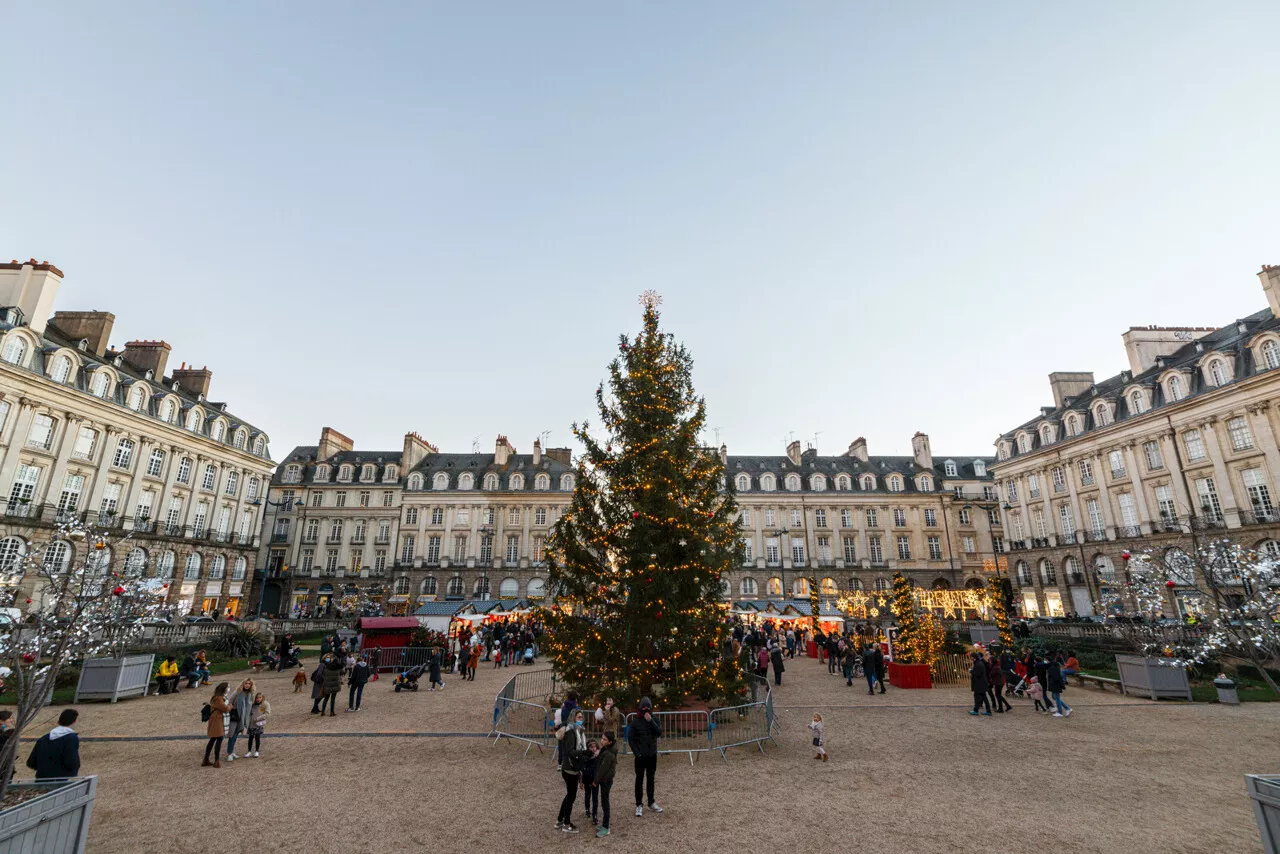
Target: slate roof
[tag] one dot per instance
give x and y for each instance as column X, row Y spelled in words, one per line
column 880, row 466
column 439, row 609
column 453, row 465
column 1231, row 340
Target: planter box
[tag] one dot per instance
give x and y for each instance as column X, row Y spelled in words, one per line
column 1265, row 792
column 115, row 678
column 1152, row 677
column 54, row 823
column 910, row 675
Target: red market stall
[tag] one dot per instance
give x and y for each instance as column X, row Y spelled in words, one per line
column 385, row 631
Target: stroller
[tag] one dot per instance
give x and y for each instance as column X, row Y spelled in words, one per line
column 408, row 679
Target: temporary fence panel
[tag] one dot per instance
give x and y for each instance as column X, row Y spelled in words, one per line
column 682, row 732
column 518, row 710
column 737, row 726
column 951, row 670
column 398, row 657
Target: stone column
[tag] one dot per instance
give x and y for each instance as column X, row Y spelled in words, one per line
column 1101, row 471
column 1265, row 438
column 103, row 473
column 17, row 440
column 1222, row 480
column 1170, row 454
column 1139, row 491
column 60, row 465
column 129, row 501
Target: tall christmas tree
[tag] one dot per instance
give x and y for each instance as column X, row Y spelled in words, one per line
column 907, row 646
column 637, row 558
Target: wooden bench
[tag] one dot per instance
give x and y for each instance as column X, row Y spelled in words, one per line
column 1101, row 681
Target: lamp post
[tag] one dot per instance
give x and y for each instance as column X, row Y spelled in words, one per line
column 266, row 570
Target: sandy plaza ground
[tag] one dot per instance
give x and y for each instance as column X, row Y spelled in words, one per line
column 910, row 772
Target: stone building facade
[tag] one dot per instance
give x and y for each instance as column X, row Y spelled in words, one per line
column 410, row 526
column 106, row 436
column 1179, row 447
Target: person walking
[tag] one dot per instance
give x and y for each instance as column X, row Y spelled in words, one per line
column 433, row 669
column 869, row 667
column 1055, row 685
column 57, row 753
column 359, row 677
column 573, row 751
column 775, row 655
column 241, row 707
column 643, row 739
column 1036, row 692
column 317, row 687
column 819, row 737
column 848, row 657
column 762, row 663
column 996, row 679
column 978, row 684
column 882, row 666
column 331, row 684
column 606, row 768
column 257, row 724
column 474, row 661
column 286, row 644
column 219, row 720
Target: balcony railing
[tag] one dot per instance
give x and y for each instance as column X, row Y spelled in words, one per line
column 310, row 539
column 1128, row 531
column 357, row 540
column 1067, row 539
column 382, row 541
column 1059, row 487
column 1096, row 536
column 1259, row 517
column 1168, row 525
column 1208, row 522
column 1039, row 542
column 279, row 538
column 1017, row 545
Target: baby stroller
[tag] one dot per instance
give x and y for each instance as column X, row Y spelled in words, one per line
column 408, row 679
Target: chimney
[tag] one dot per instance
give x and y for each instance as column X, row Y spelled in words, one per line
column 1270, row 278
column 537, row 451
column 94, row 325
column 193, row 379
column 793, row 451
column 561, row 455
column 502, row 451
column 1145, row 344
column 858, row 449
column 416, row 449
column 1069, row 384
column 331, row 442
column 148, row 356
column 920, row 450
column 31, row 287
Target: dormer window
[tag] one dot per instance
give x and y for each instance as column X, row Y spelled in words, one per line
column 292, row 474
column 1073, row 425
column 466, row 480
column 566, row 482
column 793, row 483
column 345, row 472
column 949, row 468
column 742, row 483
column 13, row 316
column 390, row 474
column 980, row 468
column 818, row 483
column 440, row 481
column 1270, row 354
column 1217, row 373
column 895, row 484
column 1137, row 402
column 1046, row 435
column 15, row 350
column 368, row 473
column 868, row 482
column 1102, row 415
column 1175, row 388
column 842, row 483
column 768, row 483
column 925, row 484
column 322, row 474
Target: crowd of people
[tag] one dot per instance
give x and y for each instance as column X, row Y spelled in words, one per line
column 995, row 677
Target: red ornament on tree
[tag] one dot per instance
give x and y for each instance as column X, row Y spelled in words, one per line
column 28, row 657
column 1170, row 583
column 119, row 591
column 658, row 615
column 635, row 514
column 1124, row 555
column 28, row 601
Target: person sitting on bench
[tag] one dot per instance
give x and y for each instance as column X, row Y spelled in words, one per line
column 167, row 676
column 1072, row 666
column 190, row 671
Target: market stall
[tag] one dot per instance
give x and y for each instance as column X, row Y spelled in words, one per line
column 385, row 631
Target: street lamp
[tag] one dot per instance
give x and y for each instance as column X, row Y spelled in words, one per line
column 266, row 570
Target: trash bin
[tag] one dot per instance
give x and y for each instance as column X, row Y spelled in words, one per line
column 1227, row 694
column 1265, row 792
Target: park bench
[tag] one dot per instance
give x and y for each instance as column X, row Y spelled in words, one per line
column 1101, row 681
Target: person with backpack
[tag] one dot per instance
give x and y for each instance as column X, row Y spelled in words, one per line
column 217, row 713
column 57, row 754
column 643, row 738
column 572, row 740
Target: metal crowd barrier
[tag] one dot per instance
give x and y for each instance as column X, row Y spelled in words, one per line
column 519, row 712
column 682, row 732
column 398, row 657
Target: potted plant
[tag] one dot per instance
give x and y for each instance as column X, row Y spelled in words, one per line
column 80, row 605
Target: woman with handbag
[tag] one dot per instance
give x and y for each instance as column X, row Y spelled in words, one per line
column 241, row 707
column 573, row 749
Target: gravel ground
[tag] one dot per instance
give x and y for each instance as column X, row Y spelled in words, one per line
column 910, row 772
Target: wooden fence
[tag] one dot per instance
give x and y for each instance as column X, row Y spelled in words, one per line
column 951, row 670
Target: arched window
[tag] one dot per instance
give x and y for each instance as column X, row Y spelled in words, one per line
column 429, row 586
column 135, row 561
column 829, row 587
column 481, row 589
column 882, row 584
column 61, row 369
column 218, row 568
column 57, row 556
column 440, row 481
column 239, row 568
column 536, row 589
column 345, row 473
column 15, row 350
column 793, row 483
column 1175, row 388
column 491, row 482
column 12, row 552
column 542, row 482
column 1179, row 566
column 767, row 483
column 818, row 483
column 1024, row 574
column 516, row 482
column 137, row 399
column 455, row 586
column 800, row 587
column 1137, row 405
column 842, row 483
column 1102, row 415
column 322, row 474
column 390, row 474
column 1105, row 569
column 1270, row 548
column 1071, row 566
column 1217, row 373
column 401, row 587
column 466, row 480
column 747, row 587
column 191, row 569
column 895, row 484
column 1270, row 354
column 855, row 583
column 742, row 483
column 566, row 482
column 239, row 439
column 1073, row 425
column 926, row 484
column 193, row 420
column 260, row 446
column 941, row 584
column 101, row 386
column 1046, row 435
column 1048, row 574
column 509, row 589
column 164, row 566
column 1024, row 443
column 868, row 482
column 775, row 586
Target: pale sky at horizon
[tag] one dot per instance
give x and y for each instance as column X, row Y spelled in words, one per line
column 865, row 220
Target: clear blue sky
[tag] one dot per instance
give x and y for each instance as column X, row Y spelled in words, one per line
column 865, row 218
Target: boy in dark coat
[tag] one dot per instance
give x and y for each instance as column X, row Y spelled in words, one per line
column 58, row 753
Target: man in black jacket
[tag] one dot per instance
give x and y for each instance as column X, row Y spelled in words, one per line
column 359, row 676
column 58, row 753
column 643, row 739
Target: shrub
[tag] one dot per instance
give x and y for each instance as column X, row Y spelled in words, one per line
column 239, row 642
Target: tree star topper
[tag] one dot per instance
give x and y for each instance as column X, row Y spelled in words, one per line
column 651, row 299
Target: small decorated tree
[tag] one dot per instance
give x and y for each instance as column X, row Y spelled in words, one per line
column 907, row 645
column 80, row 607
column 999, row 607
column 931, row 639
column 814, row 603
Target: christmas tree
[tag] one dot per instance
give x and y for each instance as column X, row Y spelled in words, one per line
column 995, row 591
column 636, row 560
column 907, row 647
